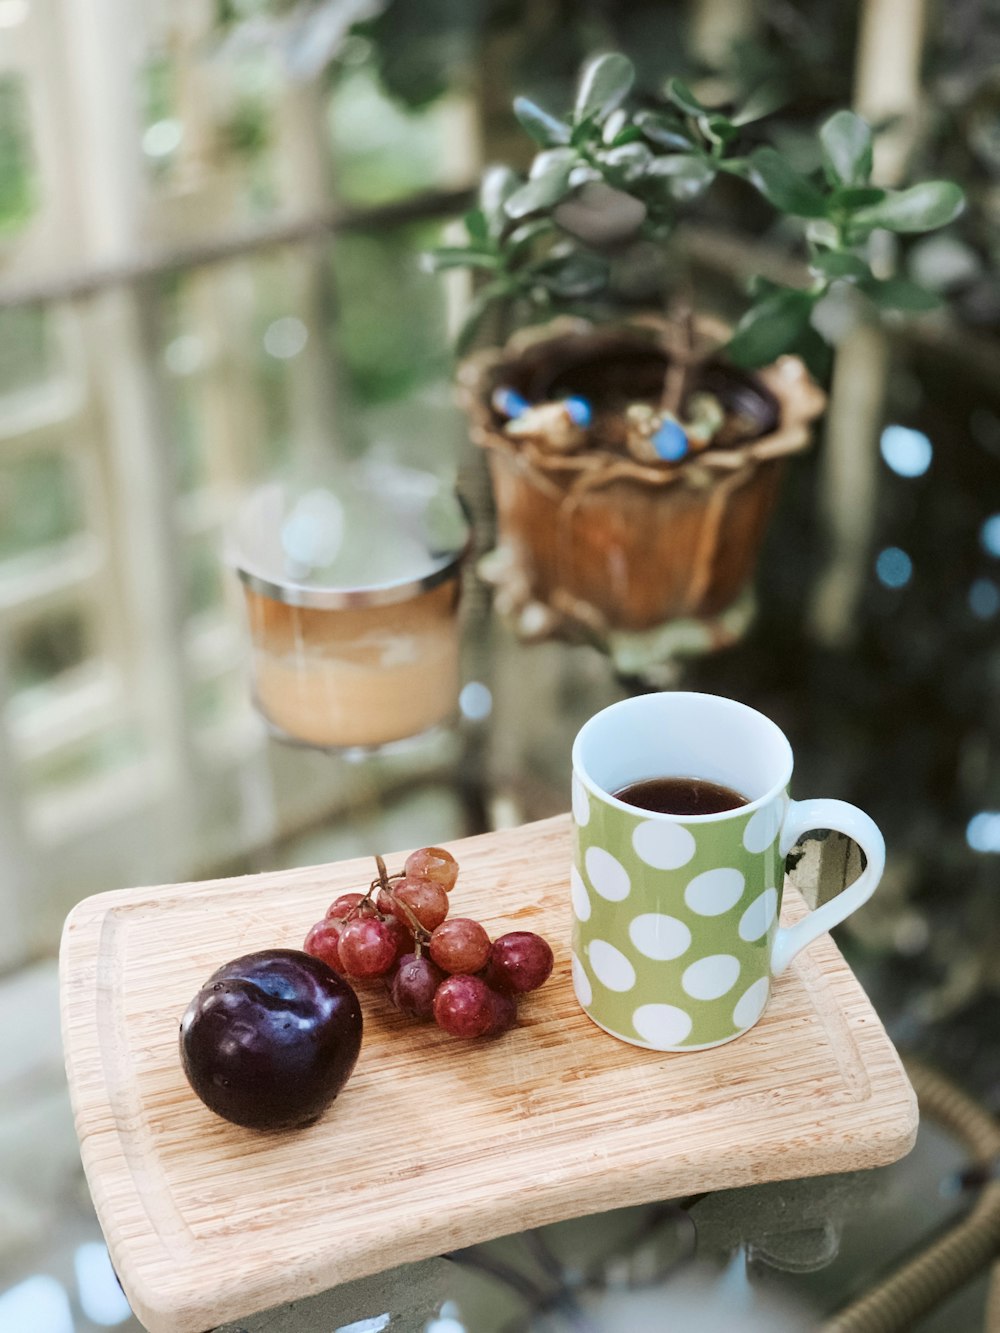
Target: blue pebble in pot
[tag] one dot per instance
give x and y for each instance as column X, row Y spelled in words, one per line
column 670, row 441
column 578, row 410
column 508, row 402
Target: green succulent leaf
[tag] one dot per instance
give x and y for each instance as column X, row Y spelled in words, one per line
column 630, row 134
column 839, row 264
column 861, row 196
column 541, row 192
column 770, row 328
column 846, row 141
column 454, row 256
column 759, row 287
column 816, row 352
column 628, row 161
column 477, row 227
column 766, row 98
column 585, row 134
column 575, row 276
column 583, row 174
column 525, row 233
column 784, row 187
column 614, row 124
column 664, row 131
column 683, row 98
column 685, row 174
column 922, row 207
column 544, row 128
column 498, row 184
column 550, row 159
column 716, row 128
column 605, row 83
column 901, row 294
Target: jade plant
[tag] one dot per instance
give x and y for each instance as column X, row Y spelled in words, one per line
column 619, row 169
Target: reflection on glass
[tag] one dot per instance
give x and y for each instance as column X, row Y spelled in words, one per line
column 893, row 567
column 983, row 831
column 101, row 1298
column 907, row 452
column 285, row 338
column 38, row 1304
column 475, row 701
column 374, row 1325
column 162, row 138
column 989, row 535
column 984, row 599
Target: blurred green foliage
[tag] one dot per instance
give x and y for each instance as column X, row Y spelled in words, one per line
column 18, row 197
column 40, row 502
column 390, row 327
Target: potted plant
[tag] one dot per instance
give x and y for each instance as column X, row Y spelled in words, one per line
column 635, row 456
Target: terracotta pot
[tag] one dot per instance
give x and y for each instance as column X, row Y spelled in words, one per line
column 629, row 546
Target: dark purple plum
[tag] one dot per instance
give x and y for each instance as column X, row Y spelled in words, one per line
column 271, row 1038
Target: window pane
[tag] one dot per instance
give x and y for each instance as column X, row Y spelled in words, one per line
column 392, row 329
column 18, row 184
column 203, row 574
column 44, row 648
column 384, row 151
column 26, row 360
column 112, row 748
column 40, row 503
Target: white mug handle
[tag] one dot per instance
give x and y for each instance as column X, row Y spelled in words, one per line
column 802, row 817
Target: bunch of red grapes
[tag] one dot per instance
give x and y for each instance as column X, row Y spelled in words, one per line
column 435, row 966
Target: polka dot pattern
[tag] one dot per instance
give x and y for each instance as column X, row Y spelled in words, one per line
column 579, row 896
column 662, row 1025
column 763, row 826
column 658, row 936
column 751, row 1004
column 663, row 845
column 709, row 978
column 610, row 966
column 581, row 983
column 672, row 921
column 760, row 916
column 607, row 875
column 714, row 891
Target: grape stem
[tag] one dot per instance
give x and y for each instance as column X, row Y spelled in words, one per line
column 421, row 936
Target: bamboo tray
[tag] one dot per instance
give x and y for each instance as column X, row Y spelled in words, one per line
column 434, row 1143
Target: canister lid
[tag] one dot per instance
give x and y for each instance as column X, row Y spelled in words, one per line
column 371, row 534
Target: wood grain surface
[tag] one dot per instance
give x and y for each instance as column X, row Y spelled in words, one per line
column 434, row 1143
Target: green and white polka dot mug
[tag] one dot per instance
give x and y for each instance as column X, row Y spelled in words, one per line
column 675, row 917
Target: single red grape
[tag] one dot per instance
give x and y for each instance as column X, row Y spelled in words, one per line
column 383, row 901
column 433, row 863
column 460, row 945
column 414, row 985
column 322, row 942
column 426, row 900
column 463, row 1007
column 503, row 1013
column 344, row 904
column 367, row 947
column 519, row 961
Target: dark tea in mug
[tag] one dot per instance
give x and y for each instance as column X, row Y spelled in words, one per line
column 681, row 796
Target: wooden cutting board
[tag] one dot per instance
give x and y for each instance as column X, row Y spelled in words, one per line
column 434, row 1143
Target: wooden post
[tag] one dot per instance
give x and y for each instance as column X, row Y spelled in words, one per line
column 887, row 82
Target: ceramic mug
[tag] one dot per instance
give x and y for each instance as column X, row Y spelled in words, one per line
column 675, row 917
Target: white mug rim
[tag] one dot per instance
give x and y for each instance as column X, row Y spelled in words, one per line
column 738, row 812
